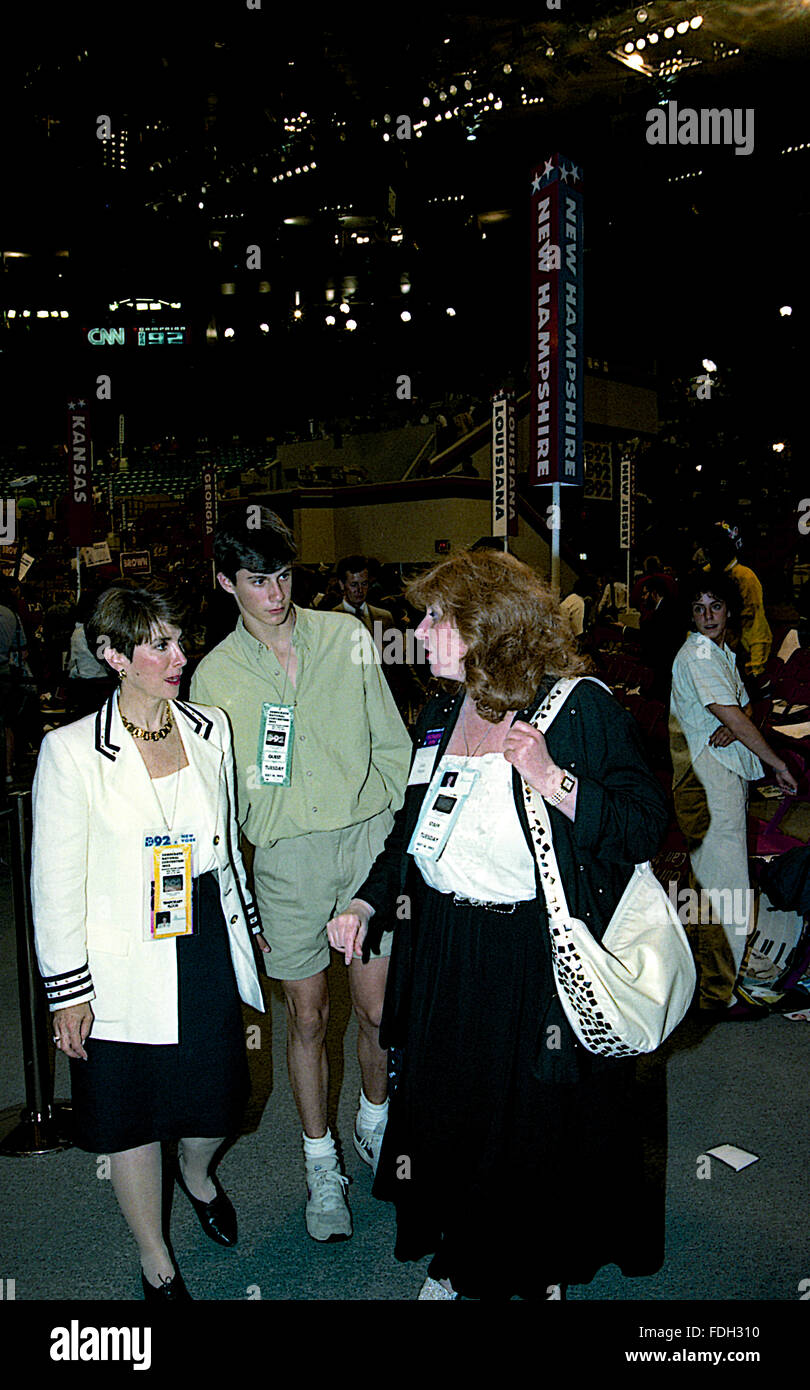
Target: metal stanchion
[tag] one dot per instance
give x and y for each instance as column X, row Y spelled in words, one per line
column 40, row 1127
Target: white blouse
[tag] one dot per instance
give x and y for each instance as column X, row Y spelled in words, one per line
column 486, row 855
column 185, row 807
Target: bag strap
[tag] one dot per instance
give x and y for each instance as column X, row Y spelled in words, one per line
column 537, row 811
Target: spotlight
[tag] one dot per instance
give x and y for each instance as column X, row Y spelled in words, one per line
column 653, row 38
column 641, row 15
column 331, row 320
column 682, row 26
column 708, row 365
column 344, row 308
column 451, row 313
column 669, row 32
column 777, row 448
column 697, row 21
column 405, row 316
column 265, row 327
column 228, row 333
column 786, row 311
column 641, row 43
column 350, row 325
column 628, row 47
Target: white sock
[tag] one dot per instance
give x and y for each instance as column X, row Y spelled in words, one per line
column 319, row 1152
column 369, row 1115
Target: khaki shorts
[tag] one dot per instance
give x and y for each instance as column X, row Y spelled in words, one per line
column 302, row 882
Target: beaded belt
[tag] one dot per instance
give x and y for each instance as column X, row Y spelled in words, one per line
column 506, row 908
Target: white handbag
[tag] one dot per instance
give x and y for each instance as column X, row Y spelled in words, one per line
column 625, row 995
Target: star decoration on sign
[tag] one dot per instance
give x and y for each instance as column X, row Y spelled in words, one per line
column 557, row 167
column 77, row 405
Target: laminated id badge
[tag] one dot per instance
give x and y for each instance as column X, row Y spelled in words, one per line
column 169, row 865
column 441, row 808
column 275, row 745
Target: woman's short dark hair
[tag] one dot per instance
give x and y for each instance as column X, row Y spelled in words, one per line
column 509, row 621
column 718, row 584
column 126, row 615
column 251, row 537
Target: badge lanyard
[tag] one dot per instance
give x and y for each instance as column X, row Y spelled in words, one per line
column 276, row 734
column 448, row 790
column 168, row 857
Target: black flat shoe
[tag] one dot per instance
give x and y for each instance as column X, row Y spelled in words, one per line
column 170, row 1291
column 217, row 1218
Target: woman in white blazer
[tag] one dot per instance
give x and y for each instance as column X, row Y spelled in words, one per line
column 143, row 922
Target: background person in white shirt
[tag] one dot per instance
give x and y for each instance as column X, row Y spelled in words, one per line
column 716, row 750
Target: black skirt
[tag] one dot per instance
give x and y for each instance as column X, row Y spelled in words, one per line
column 512, row 1183
column 129, row 1094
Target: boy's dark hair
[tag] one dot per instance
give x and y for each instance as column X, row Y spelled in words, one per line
column 351, row 564
column 251, row 537
column 715, row 582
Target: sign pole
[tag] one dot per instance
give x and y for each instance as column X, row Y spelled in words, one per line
column 555, row 540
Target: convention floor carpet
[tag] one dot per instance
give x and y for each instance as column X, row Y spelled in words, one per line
column 730, row 1235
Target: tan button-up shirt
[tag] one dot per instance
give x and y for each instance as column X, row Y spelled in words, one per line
column 351, row 751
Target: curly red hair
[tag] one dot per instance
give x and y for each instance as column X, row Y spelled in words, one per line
column 510, row 623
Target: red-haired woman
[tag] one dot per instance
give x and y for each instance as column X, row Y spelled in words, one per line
column 513, row 1155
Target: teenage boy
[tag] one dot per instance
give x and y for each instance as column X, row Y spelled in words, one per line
column 322, row 761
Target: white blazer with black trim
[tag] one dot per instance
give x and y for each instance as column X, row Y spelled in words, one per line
column 92, row 801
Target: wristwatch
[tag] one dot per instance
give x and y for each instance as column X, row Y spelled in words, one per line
column 567, row 785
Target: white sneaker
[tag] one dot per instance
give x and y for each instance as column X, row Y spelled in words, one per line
column 327, row 1215
column 433, row 1289
column 369, row 1142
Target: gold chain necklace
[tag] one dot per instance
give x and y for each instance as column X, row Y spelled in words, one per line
column 147, row 734
column 480, row 741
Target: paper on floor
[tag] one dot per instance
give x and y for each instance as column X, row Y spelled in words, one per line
column 734, row 1157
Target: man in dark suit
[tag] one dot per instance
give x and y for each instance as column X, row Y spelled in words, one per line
column 662, row 634
column 352, row 575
